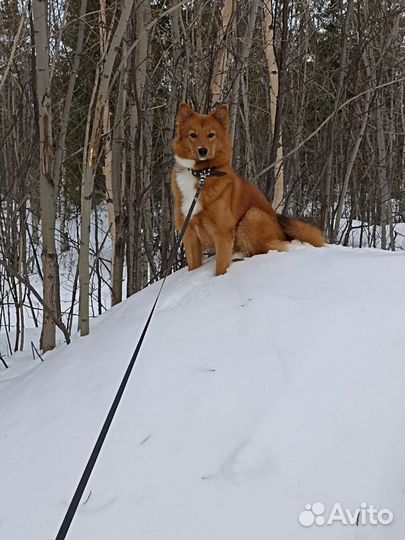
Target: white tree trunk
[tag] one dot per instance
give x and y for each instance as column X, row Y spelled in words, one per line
column 47, row 188
column 107, row 168
column 92, row 156
column 221, row 62
column 274, row 91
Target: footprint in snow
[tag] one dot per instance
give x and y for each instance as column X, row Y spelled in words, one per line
column 248, row 464
column 187, row 292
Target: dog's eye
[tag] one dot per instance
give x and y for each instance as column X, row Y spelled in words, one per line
column 210, row 135
column 193, row 135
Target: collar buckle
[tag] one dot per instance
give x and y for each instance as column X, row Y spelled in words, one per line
column 202, row 177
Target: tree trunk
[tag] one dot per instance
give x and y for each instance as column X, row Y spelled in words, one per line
column 220, row 69
column 107, row 168
column 118, row 183
column 137, row 121
column 349, row 167
column 245, row 45
column 275, row 97
column 89, row 171
column 340, row 93
column 47, row 187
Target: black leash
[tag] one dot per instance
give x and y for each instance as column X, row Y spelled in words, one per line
column 74, row 503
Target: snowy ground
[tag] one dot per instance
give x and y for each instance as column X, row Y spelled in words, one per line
column 277, row 385
column 361, row 235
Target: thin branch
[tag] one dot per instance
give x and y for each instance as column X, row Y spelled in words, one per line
column 26, row 282
column 326, row 121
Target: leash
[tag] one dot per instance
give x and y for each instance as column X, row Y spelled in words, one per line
column 202, row 175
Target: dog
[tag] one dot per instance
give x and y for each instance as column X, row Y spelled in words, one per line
column 231, row 215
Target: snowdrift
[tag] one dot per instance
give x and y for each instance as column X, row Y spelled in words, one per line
column 276, row 386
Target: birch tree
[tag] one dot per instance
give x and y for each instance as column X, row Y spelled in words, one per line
column 47, row 187
column 222, row 59
column 92, row 157
column 269, row 23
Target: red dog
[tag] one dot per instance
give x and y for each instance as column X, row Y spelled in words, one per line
column 231, row 213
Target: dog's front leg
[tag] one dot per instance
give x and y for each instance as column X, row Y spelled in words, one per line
column 193, row 248
column 223, row 250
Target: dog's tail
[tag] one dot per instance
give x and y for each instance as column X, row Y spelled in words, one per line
column 295, row 229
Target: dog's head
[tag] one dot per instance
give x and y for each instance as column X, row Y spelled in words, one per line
column 202, row 137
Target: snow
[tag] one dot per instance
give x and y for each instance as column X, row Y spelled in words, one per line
column 277, row 385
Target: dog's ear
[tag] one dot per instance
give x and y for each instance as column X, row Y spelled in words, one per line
column 221, row 115
column 184, row 113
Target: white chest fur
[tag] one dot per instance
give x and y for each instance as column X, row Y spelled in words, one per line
column 186, row 182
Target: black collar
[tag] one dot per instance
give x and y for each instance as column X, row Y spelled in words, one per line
column 205, row 173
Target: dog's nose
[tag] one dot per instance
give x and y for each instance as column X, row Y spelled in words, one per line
column 203, row 151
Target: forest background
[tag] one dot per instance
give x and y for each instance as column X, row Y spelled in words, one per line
column 88, row 96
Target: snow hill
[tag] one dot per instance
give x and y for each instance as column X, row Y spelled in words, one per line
column 277, row 385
